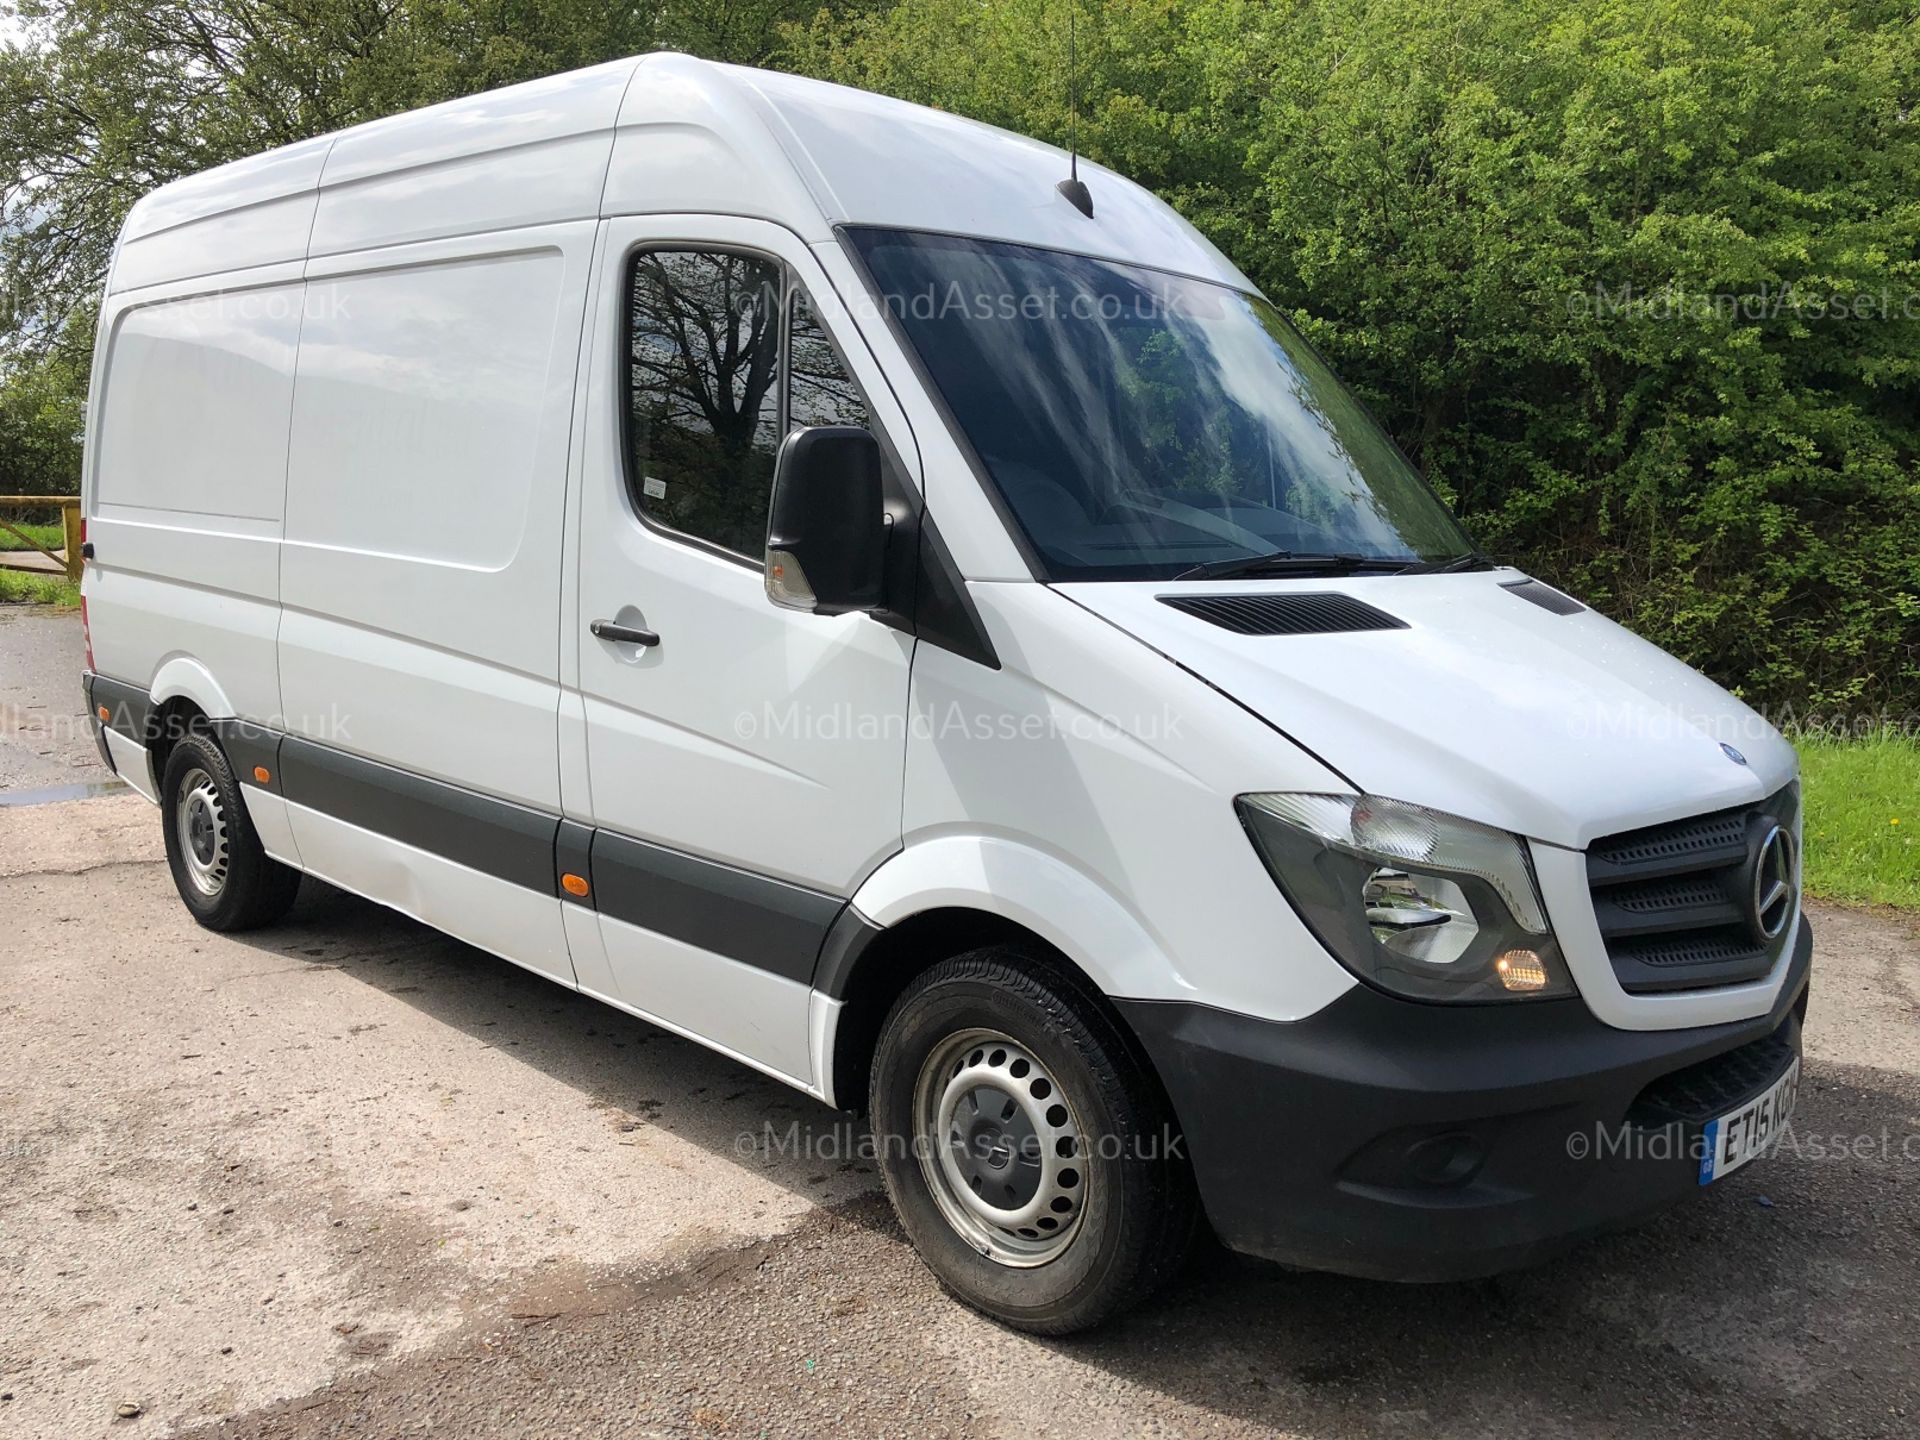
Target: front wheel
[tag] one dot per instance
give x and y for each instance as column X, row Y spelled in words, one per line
column 226, row 878
column 1029, row 1153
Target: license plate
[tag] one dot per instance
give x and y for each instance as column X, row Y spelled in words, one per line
column 1741, row 1135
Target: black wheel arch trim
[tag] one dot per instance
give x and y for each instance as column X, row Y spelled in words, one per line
column 841, row 949
column 251, row 748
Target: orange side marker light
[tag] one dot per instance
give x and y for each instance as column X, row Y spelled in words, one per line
column 261, row 774
column 574, row 884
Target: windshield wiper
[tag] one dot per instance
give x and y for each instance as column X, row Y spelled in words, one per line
column 1289, row 562
column 1468, row 561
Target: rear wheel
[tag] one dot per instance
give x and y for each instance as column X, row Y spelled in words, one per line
column 226, row 878
column 1029, row 1153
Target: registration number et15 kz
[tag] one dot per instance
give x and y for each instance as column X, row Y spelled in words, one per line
column 1741, row 1135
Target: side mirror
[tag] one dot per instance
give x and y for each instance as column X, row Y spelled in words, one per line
column 827, row 527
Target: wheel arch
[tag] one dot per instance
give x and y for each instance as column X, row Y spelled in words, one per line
column 955, row 894
column 185, row 697
column 181, row 677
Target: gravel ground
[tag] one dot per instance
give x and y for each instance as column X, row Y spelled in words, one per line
column 348, row 1177
column 44, row 739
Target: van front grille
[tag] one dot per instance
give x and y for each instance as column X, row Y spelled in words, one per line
column 1675, row 903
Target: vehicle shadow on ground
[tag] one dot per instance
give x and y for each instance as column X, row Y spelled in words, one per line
column 642, row 1074
column 1780, row 1296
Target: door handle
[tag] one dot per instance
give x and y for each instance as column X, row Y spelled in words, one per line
column 622, row 634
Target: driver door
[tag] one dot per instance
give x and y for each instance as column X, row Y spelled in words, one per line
column 744, row 762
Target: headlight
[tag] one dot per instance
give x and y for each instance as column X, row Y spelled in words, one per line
column 1413, row 901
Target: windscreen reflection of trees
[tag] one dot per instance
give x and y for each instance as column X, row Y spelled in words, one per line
column 1195, row 443
column 1140, row 423
column 705, row 407
column 1212, row 428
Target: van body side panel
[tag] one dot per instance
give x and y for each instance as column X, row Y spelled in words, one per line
column 507, row 159
column 721, row 1001
column 426, row 491
column 508, row 920
column 132, row 764
column 256, row 211
column 187, row 487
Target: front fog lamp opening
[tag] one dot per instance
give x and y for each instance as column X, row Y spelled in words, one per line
column 1414, row 902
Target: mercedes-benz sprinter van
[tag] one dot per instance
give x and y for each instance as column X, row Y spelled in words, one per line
column 781, row 562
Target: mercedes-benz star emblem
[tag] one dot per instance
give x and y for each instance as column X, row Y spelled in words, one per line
column 1772, row 899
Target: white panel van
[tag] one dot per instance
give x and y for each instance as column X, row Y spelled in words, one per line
column 777, row 560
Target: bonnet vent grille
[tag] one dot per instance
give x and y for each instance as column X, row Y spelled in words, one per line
column 1328, row 613
column 1545, row 596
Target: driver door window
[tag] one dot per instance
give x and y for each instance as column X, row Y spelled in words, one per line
column 708, row 395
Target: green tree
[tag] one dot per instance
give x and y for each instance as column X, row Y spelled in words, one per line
column 42, row 409
column 107, row 99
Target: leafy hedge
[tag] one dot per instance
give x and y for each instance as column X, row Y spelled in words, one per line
column 1636, row 282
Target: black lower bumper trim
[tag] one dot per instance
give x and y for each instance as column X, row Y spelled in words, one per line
column 1402, row 1141
column 95, row 723
column 129, row 711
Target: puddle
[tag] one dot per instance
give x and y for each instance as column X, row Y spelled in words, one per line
column 89, row 790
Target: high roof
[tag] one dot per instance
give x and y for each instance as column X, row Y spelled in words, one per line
column 664, row 133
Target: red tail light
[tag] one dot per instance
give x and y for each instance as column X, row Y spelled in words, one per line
column 86, row 631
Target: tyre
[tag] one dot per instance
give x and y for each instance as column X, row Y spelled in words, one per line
column 1028, row 1150
column 226, row 879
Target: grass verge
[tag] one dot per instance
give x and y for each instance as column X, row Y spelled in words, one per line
column 19, row 588
column 1863, row 812
column 45, row 537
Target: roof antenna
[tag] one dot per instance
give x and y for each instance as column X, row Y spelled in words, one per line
column 1073, row 187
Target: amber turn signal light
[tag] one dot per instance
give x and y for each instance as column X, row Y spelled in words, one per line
column 260, row 773
column 1521, row 970
column 574, row 884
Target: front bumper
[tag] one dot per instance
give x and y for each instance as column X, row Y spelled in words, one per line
column 1404, row 1141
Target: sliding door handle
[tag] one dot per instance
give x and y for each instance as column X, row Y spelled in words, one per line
column 622, row 634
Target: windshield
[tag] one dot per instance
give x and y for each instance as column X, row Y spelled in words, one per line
column 1139, row 424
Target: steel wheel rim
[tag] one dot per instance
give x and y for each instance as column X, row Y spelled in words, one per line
column 201, row 825
column 1001, row 1147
